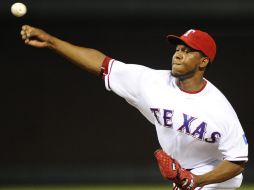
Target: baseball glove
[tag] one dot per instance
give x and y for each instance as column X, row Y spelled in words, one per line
column 172, row 170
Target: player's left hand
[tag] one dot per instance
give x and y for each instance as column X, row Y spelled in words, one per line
column 172, row 170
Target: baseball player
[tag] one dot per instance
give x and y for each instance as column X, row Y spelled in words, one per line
column 203, row 145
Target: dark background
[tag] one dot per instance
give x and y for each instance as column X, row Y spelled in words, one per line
column 60, row 125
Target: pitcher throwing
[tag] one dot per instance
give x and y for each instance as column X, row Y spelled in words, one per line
column 203, row 145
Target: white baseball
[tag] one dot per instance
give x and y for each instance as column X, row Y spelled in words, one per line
column 18, row 9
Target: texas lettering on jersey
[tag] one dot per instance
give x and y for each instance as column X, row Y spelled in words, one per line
column 198, row 131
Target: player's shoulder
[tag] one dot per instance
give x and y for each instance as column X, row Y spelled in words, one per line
column 119, row 65
column 216, row 92
column 157, row 77
column 145, row 71
column 219, row 100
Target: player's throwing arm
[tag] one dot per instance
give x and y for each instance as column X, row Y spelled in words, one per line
column 86, row 58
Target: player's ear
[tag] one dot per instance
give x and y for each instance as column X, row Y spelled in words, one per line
column 203, row 62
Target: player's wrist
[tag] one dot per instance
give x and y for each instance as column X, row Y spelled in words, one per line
column 200, row 180
column 51, row 41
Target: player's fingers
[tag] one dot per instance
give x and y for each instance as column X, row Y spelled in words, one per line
column 24, row 32
column 34, row 36
column 23, row 35
column 25, row 26
column 29, row 31
column 26, row 41
column 36, row 43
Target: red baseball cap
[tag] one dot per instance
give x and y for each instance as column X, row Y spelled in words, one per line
column 197, row 40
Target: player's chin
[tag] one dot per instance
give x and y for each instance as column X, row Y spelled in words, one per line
column 182, row 74
column 177, row 73
column 178, row 69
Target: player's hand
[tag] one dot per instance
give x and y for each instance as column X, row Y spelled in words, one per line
column 35, row 36
column 172, row 170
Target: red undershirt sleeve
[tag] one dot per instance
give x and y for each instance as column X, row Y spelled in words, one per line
column 104, row 67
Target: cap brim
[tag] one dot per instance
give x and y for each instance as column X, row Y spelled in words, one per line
column 175, row 40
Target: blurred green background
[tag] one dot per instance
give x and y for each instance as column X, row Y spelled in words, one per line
column 126, row 187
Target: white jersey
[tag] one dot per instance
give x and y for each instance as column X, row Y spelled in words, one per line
column 197, row 129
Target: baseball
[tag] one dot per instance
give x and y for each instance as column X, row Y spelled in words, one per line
column 18, row 9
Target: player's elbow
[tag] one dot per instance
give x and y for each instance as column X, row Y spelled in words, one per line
column 239, row 166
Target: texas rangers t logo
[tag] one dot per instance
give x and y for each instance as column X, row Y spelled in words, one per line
column 189, row 32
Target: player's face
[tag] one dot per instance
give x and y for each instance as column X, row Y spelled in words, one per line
column 185, row 61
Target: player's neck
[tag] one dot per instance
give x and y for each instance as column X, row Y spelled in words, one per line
column 191, row 85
